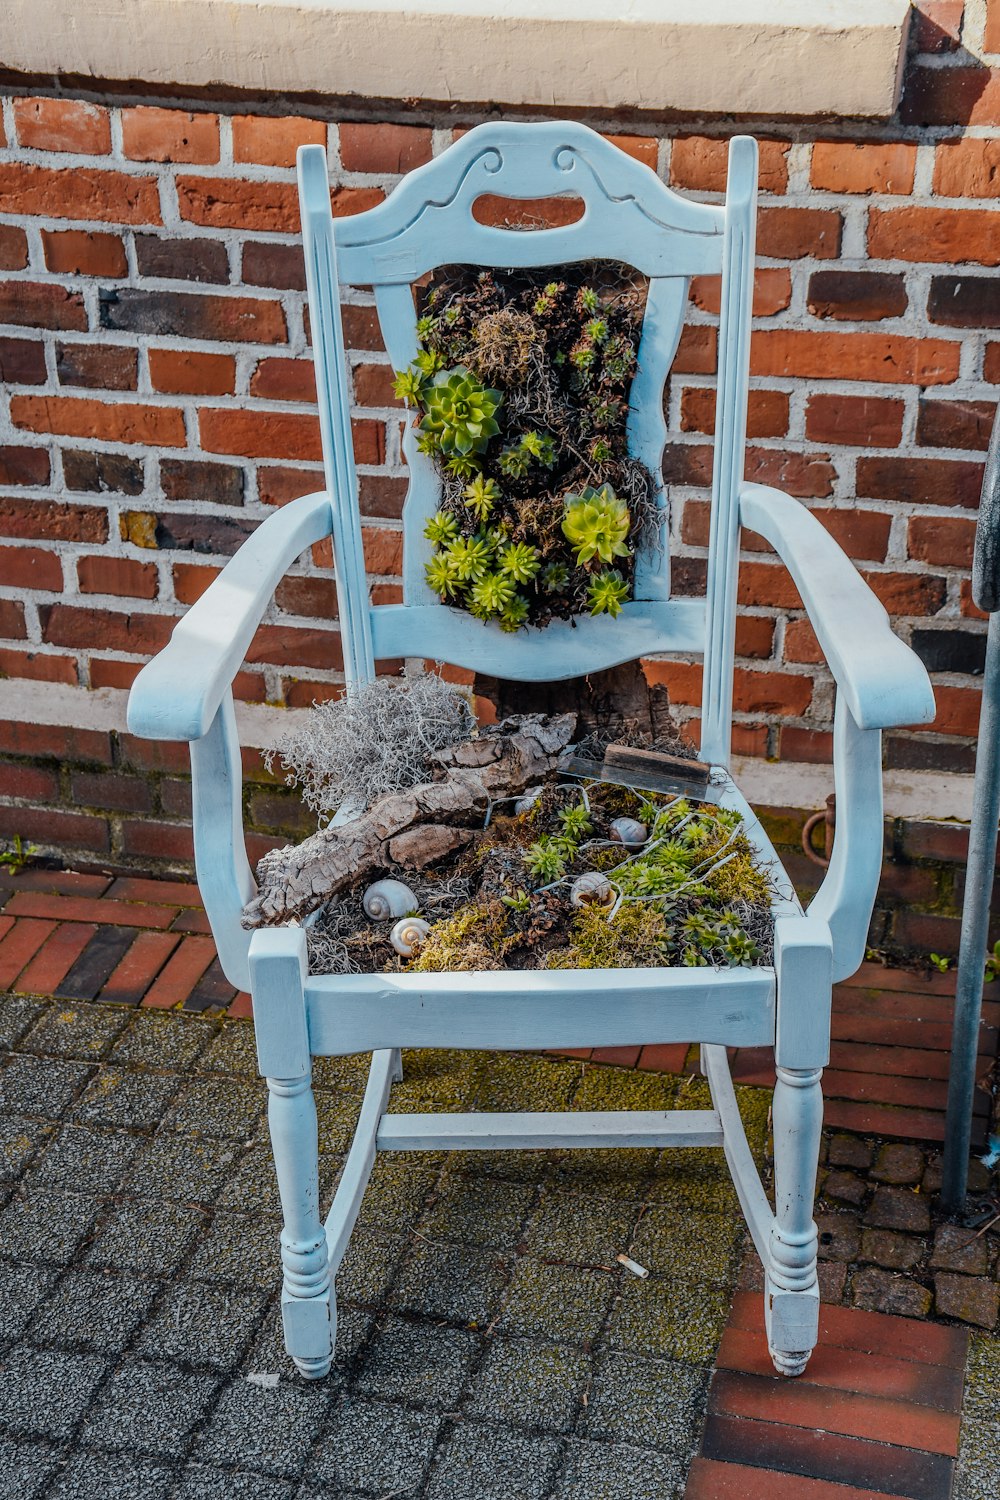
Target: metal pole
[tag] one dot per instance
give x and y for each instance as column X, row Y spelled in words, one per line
column 975, row 924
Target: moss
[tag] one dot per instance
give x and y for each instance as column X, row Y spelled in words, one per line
column 472, row 939
column 636, row 939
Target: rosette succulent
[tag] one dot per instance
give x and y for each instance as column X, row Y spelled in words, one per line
column 459, row 412
column 607, row 592
column 596, row 524
column 481, row 496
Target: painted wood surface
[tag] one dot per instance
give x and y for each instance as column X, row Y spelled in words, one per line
column 543, row 1130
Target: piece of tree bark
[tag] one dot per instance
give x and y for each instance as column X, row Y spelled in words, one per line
column 502, row 761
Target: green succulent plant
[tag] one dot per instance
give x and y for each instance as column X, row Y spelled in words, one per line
column 575, row 821
column 408, row 386
column 520, row 561
column 555, row 578
column 596, row 524
column 514, row 461
column 463, row 466
column 606, row 593
column 441, row 528
column 481, row 496
column 514, row 614
column 587, row 299
column 545, row 860
column 441, row 576
column 597, row 330
column 470, row 557
column 492, row 593
column 428, row 362
column 459, row 410
column 541, row 446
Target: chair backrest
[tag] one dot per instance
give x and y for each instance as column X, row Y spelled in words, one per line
column 629, row 216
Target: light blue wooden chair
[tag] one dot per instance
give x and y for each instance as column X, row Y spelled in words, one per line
column 185, row 694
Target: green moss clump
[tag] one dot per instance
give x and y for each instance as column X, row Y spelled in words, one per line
column 636, row 939
column 472, row 939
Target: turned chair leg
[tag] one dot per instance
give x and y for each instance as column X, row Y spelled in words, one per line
column 791, row 1299
column 308, row 1305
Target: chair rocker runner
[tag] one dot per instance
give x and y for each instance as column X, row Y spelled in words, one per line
column 186, row 694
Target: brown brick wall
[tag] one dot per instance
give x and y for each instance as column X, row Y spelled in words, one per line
column 158, row 393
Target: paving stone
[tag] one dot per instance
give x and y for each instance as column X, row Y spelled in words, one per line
column 972, row 1299
column 881, row 1291
column 201, row 1323
column 267, row 1355
column 612, row 1471
column 588, row 1230
column 36, row 1086
column 149, row 1237
column 368, row 1268
column 504, row 1083
column 654, row 1403
column 110, row 1476
column 22, row 1288
column 897, row 1252
column 350, row 1074
column 423, row 1366
column 980, row 1176
column 691, row 1246
column 202, row 1482
column 24, row 1469
column 832, row 1277
column 899, row 1162
column 182, row 1167
column 530, row 1383
column 371, row 1446
column 81, row 1031
column 43, row 1225
column 899, row 1208
column 242, row 1249
column 612, row 1173
column 149, row 1408
column 557, row 1302
column 17, row 1013
column 457, row 1283
column 693, row 1181
column 253, row 1186
column 337, row 1119
column 468, row 1210
column 933, row 1173
column 270, row 1430
column 845, row 1187
column 483, row 1463
column 121, row 1097
column 221, row 1107
column 959, row 1249
column 610, row 1088
column 233, row 1050
column 839, row 1236
column 674, row 1320
column 95, row 1310
column 982, row 1380
column 978, row 1461
column 849, row 1151
column 21, row 1138
column 89, row 1161
column 44, row 1394
column 163, row 1039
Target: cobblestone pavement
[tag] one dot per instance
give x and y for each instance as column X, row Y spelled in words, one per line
column 490, row 1346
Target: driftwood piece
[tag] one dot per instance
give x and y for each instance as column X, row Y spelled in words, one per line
column 500, row 762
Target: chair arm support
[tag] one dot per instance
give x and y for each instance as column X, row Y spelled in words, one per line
column 177, row 695
column 883, row 683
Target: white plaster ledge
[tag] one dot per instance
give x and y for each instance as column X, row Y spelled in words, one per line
column 768, row 58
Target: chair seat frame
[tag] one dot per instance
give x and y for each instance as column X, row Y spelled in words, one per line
column 186, row 694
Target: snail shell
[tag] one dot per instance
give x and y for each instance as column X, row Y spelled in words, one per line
column 408, row 934
column 592, row 889
column 526, row 803
column 388, row 898
column 630, row 832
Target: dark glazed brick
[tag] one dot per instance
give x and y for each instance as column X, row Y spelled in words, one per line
column 965, row 301
column 279, row 266
column 201, row 480
column 192, row 315
column 46, row 1394
column 212, row 990
column 149, row 1408
column 214, row 535
column 181, row 260
column 22, row 362
column 861, row 296
column 955, row 424
column 102, row 473
column 951, row 650
column 108, row 367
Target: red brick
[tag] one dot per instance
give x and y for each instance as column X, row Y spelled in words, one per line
column 681, row 679
column 288, row 646
column 937, row 25
column 221, row 203
column 854, row 356
column 117, row 575
column 807, row 745
column 861, row 533
column 857, row 296
column 13, row 248
column 908, row 593
column 171, row 259
column 314, row 598
column 942, row 541
column 991, row 364
column 31, row 783
column 79, row 193
column 149, row 839
column 84, row 252
column 373, row 386
column 181, row 372
column 55, row 741
column 277, row 484
column 12, row 620
column 89, row 909
column 957, row 710
column 767, row 412
column 284, row 380
column 153, row 134
column 278, row 266
column 30, row 568
column 642, row 148
column 140, row 966
column 863, row 166
column 19, row 946
column 950, row 235
column 104, row 629
column 273, row 142
column 51, row 827
column 261, row 434
column 41, row 305
column 951, row 96
column 791, row 233
column 767, row 585
column 102, row 367
column 696, row 351
column 120, row 792
column 45, row 518
column 118, row 422
column 921, row 481
column 383, row 550
column 361, row 327
column 63, row 125
column 527, row 214
column 801, row 644
column 967, row 168
column 955, row 424
column 699, row 162
column 859, row 421
column 991, row 37
column 801, row 474
column 22, row 362
column 708, row 1480
column 770, row 692
column 37, row 666
column 772, row 292
column 181, row 973
column 194, row 315
column 754, row 636
column 55, row 958
column 384, row 147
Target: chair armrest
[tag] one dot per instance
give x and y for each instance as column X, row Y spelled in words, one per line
column 177, row 695
column 883, row 682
